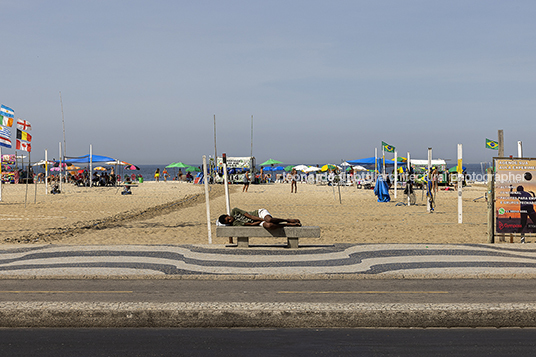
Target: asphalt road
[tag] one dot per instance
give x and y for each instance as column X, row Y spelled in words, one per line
column 267, row 342
column 315, row 291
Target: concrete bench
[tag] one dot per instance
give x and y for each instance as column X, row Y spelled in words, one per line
column 243, row 233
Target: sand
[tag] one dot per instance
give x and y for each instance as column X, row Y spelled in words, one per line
column 175, row 213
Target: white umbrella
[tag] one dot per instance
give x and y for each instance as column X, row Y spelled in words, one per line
column 300, row 167
column 311, row 169
column 359, row 168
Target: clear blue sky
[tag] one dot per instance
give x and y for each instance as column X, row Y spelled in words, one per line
column 324, row 80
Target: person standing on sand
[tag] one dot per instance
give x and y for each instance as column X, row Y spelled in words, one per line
column 165, row 175
column 246, row 182
column 293, row 183
column 157, row 175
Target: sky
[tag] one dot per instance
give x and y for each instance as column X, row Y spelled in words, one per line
column 325, row 81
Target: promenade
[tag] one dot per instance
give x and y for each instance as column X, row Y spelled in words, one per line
column 344, row 262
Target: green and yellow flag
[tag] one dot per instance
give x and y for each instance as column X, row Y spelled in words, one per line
column 490, row 144
column 387, row 147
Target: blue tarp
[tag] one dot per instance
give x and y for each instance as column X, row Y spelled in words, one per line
column 85, row 159
column 382, row 190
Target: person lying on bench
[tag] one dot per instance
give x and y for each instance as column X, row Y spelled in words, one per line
column 260, row 217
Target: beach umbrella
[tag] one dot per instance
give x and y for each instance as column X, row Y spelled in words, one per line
column 271, row 162
column 329, row 167
column 100, row 168
column 455, row 169
column 132, row 167
column 300, row 167
column 278, row 168
column 178, row 164
column 359, row 168
column 289, row 168
column 312, row 169
column 192, row 169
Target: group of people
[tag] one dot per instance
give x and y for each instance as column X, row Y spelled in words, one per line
column 157, row 174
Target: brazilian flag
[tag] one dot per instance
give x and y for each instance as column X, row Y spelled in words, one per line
column 490, row 144
column 387, row 147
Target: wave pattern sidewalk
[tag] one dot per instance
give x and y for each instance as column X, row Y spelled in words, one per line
column 217, row 261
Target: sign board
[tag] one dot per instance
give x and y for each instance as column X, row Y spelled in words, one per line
column 515, row 195
column 237, row 162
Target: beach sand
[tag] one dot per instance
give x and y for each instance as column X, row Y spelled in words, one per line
column 175, row 213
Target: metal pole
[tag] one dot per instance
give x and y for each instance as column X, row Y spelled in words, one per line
column 501, row 143
column 519, row 149
column 207, row 200
column 251, row 154
column 491, row 204
column 226, row 184
column 460, row 183
column 27, row 178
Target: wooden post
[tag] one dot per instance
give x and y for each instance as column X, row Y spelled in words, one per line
column 207, row 201
column 501, row 143
column 491, row 206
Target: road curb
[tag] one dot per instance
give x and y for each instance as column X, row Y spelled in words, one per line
column 274, row 315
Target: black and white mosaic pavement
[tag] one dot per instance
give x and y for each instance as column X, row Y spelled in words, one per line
column 366, row 259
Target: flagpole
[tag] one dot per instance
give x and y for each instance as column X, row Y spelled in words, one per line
column 383, row 158
column 90, row 165
column 27, row 178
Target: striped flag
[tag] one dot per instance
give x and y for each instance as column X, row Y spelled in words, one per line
column 490, row 144
column 5, row 135
column 24, row 125
column 7, row 111
column 6, row 142
column 6, row 121
column 388, row 147
column 23, row 146
column 22, row 135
